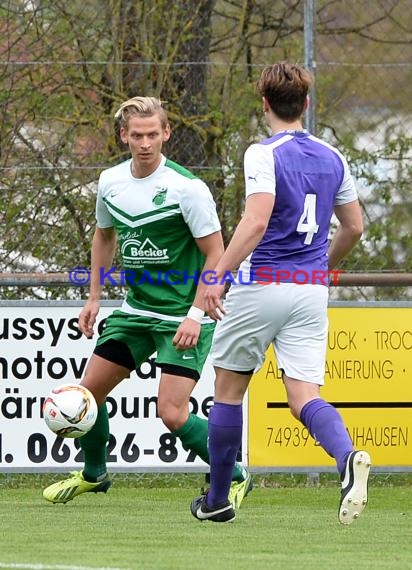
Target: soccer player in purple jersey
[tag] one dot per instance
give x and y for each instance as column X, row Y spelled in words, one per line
column 294, row 183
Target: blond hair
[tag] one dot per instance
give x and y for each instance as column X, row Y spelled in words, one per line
column 140, row 107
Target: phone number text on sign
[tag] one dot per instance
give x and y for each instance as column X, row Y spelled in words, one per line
column 284, row 436
column 41, row 449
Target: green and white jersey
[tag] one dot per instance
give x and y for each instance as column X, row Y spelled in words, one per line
column 156, row 220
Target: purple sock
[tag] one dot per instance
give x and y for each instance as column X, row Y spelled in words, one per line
column 225, row 438
column 326, row 426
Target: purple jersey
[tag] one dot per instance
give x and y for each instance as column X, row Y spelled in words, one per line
column 309, row 178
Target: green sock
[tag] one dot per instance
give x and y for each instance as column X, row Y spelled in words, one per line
column 193, row 435
column 94, row 445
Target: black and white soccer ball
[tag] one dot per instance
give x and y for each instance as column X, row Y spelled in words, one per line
column 70, row 410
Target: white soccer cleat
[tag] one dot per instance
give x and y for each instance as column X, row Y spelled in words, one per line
column 354, row 494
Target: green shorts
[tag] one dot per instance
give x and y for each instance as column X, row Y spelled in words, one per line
column 145, row 335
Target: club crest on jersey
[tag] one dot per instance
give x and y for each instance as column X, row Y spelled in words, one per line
column 159, row 197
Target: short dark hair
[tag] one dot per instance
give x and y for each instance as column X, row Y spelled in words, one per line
column 285, row 87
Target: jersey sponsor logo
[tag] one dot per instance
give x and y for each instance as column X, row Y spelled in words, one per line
column 186, row 357
column 134, row 250
column 159, row 197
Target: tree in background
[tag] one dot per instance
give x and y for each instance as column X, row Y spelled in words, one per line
column 363, row 76
column 65, row 67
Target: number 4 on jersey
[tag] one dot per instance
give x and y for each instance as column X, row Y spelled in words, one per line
column 307, row 221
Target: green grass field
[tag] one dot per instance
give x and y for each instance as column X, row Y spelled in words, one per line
column 149, row 526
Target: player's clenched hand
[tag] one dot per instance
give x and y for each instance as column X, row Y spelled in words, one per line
column 187, row 334
column 212, row 299
column 87, row 318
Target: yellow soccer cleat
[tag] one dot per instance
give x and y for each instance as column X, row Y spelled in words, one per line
column 75, row 485
column 238, row 491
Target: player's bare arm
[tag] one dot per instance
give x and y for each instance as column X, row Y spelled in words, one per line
column 348, row 234
column 248, row 234
column 102, row 254
column 188, row 331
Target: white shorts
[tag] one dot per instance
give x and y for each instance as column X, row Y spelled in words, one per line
column 293, row 317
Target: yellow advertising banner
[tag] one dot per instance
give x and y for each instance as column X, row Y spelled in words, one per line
column 368, row 379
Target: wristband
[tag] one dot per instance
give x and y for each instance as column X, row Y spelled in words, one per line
column 195, row 314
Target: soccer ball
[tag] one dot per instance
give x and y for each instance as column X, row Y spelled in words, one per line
column 70, row 410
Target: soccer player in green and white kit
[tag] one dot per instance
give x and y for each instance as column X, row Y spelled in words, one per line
column 164, row 220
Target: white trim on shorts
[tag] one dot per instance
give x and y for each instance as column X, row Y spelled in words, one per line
column 293, row 317
column 129, row 310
